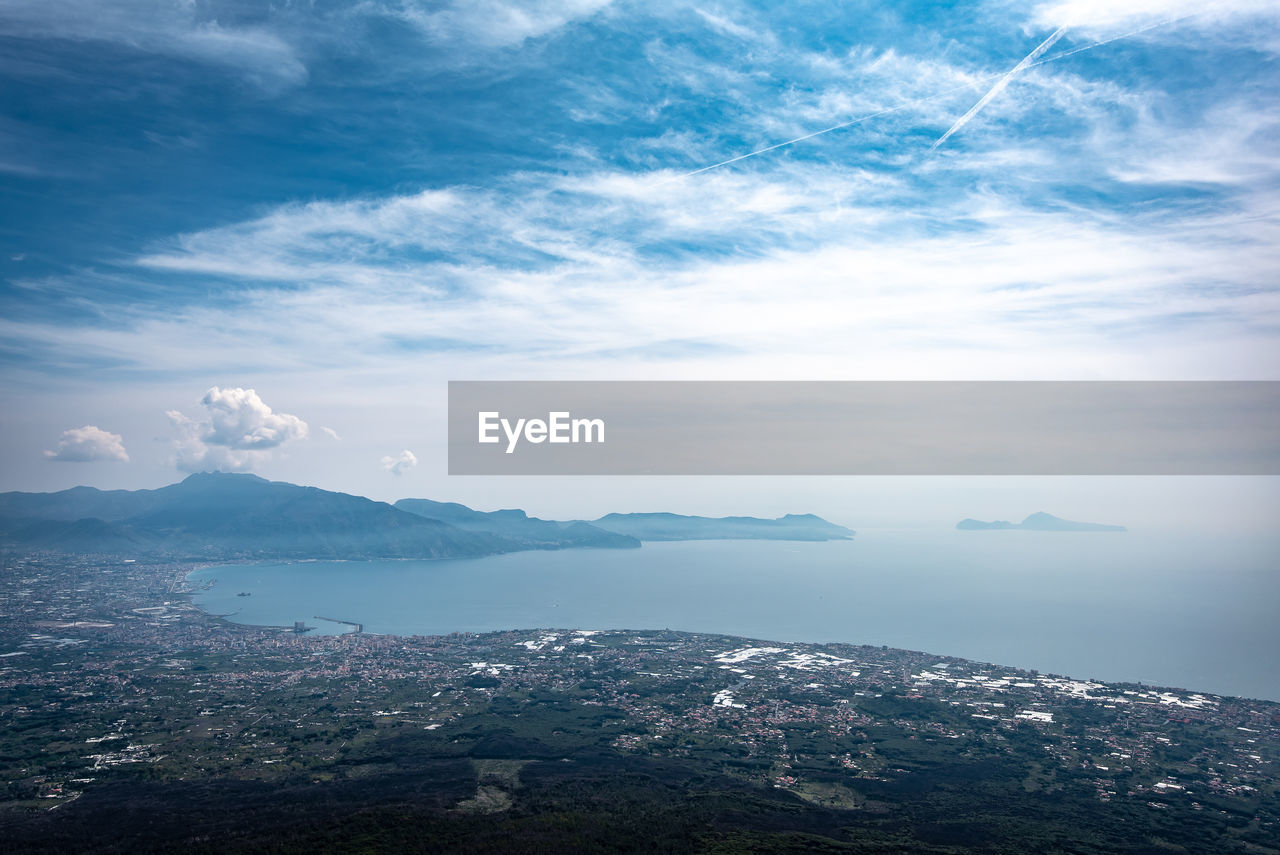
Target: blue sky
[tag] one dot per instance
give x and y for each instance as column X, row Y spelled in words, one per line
column 344, row 205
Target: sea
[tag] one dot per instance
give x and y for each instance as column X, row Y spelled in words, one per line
column 1188, row 611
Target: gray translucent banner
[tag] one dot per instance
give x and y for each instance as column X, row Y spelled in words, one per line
column 863, row 428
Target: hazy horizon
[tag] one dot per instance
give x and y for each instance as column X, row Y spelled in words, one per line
column 1211, row 504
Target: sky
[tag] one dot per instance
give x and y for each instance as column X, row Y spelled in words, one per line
column 263, row 237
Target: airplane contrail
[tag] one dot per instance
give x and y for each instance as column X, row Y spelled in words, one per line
column 1128, row 35
column 920, row 101
column 1000, row 85
column 865, row 118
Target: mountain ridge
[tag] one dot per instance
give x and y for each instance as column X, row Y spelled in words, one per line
column 518, row 526
column 225, row 515
column 665, row 526
column 236, row 516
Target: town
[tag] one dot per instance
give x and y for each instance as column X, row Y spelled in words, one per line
column 110, row 678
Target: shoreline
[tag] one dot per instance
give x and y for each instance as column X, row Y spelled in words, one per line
column 749, row 640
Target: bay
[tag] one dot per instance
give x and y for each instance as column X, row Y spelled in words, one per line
column 1190, row 611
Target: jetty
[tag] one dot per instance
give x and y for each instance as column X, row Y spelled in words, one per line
column 358, row 627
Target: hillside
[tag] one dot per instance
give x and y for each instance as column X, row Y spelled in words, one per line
column 517, row 526
column 217, row 515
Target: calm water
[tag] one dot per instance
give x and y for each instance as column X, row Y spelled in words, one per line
column 1191, row 612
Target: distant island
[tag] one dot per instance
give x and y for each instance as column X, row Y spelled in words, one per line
column 1039, row 521
column 223, row 516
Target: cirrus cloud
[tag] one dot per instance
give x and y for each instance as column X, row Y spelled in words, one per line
column 488, row 23
column 172, row 28
column 1100, row 15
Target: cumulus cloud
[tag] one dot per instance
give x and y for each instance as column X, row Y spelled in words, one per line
column 237, row 431
column 401, row 463
column 87, row 444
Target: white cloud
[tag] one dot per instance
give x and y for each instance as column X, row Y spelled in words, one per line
column 728, row 27
column 1099, row 16
column 330, row 432
column 1230, row 149
column 176, row 28
column 1042, row 292
column 401, row 463
column 824, row 271
column 528, row 220
column 989, row 259
column 488, row 23
column 89, row 443
column 237, row 432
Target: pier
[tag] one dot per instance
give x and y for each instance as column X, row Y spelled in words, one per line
column 358, row 627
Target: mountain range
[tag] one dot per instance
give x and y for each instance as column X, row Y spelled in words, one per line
column 221, row 516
